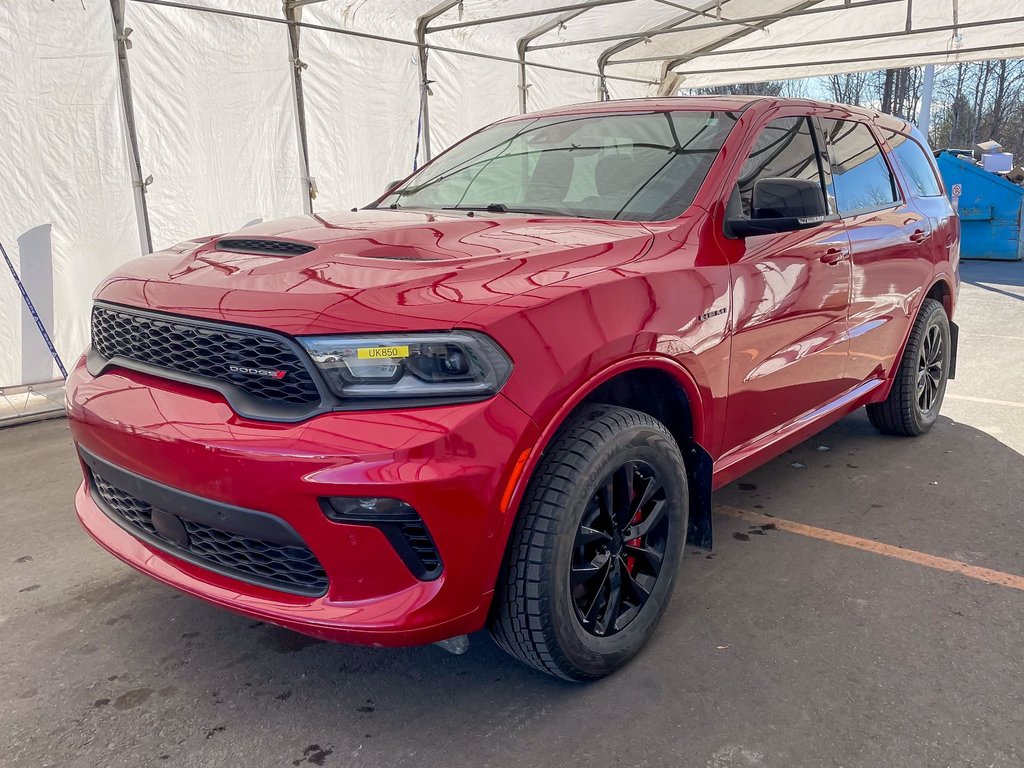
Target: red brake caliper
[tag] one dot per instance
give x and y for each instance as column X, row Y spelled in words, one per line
column 630, row 560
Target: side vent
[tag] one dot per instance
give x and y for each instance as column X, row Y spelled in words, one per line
column 268, row 247
column 401, row 525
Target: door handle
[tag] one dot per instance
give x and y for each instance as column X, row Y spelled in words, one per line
column 833, row 256
column 918, row 236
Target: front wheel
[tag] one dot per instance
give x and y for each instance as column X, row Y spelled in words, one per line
column 596, row 547
column 920, row 382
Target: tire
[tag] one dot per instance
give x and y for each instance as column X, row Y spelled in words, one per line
column 920, row 382
column 559, row 573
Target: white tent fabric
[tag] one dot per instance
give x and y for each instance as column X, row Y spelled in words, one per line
column 67, row 215
column 362, row 102
column 216, row 121
column 219, row 122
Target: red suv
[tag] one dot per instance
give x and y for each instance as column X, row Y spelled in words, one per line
column 502, row 394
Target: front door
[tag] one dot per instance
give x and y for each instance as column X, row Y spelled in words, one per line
column 790, row 298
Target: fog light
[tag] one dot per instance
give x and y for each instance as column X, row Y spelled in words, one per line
column 368, row 509
column 401, row 525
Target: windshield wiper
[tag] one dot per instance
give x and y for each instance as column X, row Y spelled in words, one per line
column 503, row 208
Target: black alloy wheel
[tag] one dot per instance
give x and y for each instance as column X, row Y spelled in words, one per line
column 596, row 547
column 619, row 549
column 930, row 369
column 919, row 379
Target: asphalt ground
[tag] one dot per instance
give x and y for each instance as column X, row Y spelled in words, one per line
column 827, row 629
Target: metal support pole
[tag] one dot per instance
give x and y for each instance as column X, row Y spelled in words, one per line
column 385, row 39
column 764, row 18
column 521, row 45
column 421, row 40
column 640, row 37
column 293, row 13
column 829, row 41
column 586, row 6
column 926, row 99
column 723, row 41
column 135, row 164
column 917, row 56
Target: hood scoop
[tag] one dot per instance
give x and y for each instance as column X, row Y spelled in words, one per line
column 263, row 246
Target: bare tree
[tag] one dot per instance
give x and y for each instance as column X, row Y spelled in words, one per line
column 971, row 102
column 850, row 88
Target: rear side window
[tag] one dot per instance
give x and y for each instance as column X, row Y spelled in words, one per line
column 915, row 164
column 784, row 149
column 861, row 178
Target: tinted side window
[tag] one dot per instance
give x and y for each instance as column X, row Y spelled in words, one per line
column 915, row 164
column 861, row 178
column 784, row 149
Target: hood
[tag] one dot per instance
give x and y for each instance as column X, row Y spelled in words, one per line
column 371, row 270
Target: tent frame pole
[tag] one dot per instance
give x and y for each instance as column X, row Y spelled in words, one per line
column 639, row 37
column 383, row 39
column 128, row 107
column 850, row 39
column 768, row 17
column 523, row 43
column 948, row 56
column 293, row 12
column 581, row 7
column 720, row 43
column 421, row 41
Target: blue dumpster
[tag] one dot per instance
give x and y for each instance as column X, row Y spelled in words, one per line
column 990, row 209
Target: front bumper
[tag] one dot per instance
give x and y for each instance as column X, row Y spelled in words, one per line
column 452, row 464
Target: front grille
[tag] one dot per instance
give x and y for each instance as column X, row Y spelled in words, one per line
column 269, row 247
column 287, row 568
column 207, row 351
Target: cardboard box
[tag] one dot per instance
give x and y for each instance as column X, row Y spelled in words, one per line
column 986, row 148
column 1016, row 175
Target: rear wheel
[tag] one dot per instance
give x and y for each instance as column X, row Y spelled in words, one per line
column 596, row 547
column 920, row 383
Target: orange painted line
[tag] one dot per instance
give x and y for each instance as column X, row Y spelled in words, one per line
column 888, row 550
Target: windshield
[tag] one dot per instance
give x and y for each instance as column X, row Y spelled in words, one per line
column 638, row 167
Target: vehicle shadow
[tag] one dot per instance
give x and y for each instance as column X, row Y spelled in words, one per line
column 949, row 492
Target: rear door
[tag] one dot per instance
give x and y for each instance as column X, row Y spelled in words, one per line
column 790, row 297
column 889, row 238
column 920, row 178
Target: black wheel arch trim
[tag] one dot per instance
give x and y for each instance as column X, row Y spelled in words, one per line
column 699, row 471
column 954, row 340
column 699, row 463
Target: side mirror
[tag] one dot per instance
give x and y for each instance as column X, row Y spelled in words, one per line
column 741, row 226
column 781, row 205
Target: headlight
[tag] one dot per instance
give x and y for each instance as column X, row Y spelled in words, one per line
column 460, row 364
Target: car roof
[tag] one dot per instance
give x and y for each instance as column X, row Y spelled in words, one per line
column 718, row 104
